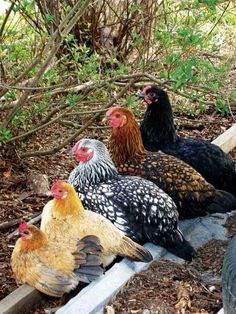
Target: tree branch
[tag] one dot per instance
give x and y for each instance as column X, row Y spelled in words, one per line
column 31, row 222
column 71, row 138
column 76, row 125
column 42, row 125
column 52, row 47
column 6, row 18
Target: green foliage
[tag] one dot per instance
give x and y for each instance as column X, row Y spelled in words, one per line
column 183, row 73
column 188, row 37
column 21, row 120
column 11, row 95
column 40, row 108
column 131, row 102
column 174, row 43
column 211, row 3
column 73, row 99
column 221, row 107
column 5, row 134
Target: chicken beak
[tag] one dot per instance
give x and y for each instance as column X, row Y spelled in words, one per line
column 140, row 95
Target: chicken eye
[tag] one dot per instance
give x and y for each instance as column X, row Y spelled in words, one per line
column 152, row 94
column 117, row 115
column 60, row 191
column 26, row 232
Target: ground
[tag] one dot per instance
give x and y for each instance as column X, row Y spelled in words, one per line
column 151, row 290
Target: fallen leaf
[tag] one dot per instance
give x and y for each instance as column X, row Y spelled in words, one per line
column 8, row 173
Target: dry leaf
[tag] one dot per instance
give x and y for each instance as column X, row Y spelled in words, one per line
column 8, row 173
column 38, row 183
column 109, row 310
column 183, row 295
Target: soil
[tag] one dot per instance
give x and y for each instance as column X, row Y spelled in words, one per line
column 154, row 290
column 158, row 290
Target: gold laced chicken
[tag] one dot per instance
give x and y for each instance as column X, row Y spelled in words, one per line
column 192, row 194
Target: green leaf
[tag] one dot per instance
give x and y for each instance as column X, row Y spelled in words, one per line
column 5, row 134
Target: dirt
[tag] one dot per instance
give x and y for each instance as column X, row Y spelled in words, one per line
column 156, row 290
column 145, row 290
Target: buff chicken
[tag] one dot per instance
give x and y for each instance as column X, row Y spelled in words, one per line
column 50, row 267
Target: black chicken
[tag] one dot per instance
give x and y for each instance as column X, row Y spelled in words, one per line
column 192, row 194
column 135, row 206
column 158, row 133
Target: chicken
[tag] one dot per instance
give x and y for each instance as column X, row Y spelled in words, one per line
column 192, row 194
column 136, row 206
column 64, row 220
column 158, row 132
column 50, row 267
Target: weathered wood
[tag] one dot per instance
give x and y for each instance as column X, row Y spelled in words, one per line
column 20, row 300
column 227, row 140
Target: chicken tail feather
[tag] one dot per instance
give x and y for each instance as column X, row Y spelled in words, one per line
column 88, row 259
column 135, row 251
column 222, row 203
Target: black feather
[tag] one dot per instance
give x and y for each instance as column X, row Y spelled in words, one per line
column 158, row 133
column 134, row 205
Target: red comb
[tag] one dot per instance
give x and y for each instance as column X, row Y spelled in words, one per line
column 56, row 184
column 23, row 225
column 111, row 110
column 75, row 147
column 146, row 88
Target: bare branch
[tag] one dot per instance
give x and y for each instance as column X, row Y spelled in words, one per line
column 31, row 222
column 77, row 126
column 6, row 18
column 71, row 138
column 52, row 46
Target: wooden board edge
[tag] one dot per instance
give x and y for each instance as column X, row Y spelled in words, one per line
column 20, row 300
column 227, row 140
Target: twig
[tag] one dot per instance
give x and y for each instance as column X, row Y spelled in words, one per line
column 45, row 122
column 160, row 82
column 6, row 18
column 81, row 87
column 21, row 76
column 214, row 26
column 166, row 84
column 76, row 125
column 26, row 93
column 8, row 224
column 86, row 112
column 230, row 110
column 51, row 49
column 197, row 120
column 31, row 222
column 71, row 138
column 5, row 86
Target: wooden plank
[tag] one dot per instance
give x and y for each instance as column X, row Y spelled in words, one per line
column 20, row 300
column 227, row 140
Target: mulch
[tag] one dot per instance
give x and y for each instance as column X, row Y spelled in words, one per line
column 154, row 290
